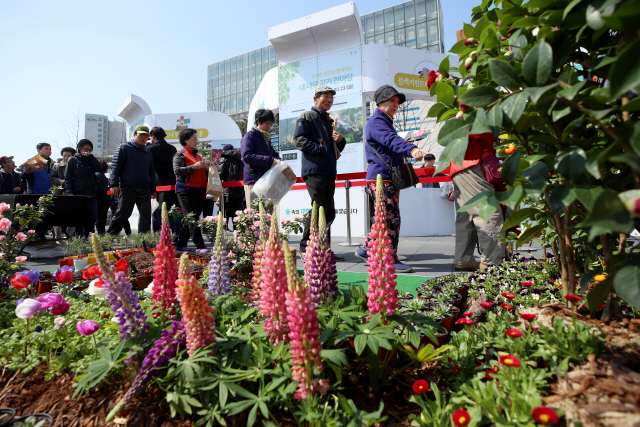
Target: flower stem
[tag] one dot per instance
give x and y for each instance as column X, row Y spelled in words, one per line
column 25, row 340
column 95, row 342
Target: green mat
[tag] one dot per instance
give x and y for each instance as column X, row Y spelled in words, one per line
column 405, row 283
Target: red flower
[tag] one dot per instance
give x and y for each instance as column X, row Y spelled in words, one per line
column 486, row 304
column 545, row 415
column 455, row 370
column 60, row 309
column 64, row 276
column 464, row 321
column 99, row 283
column 122, row 264
column 506, row 306
column 603, row 305
column 468, row 313
column 488, row 376
column 509, row 361
column 20, row 282
column 528, row 316
column 91, row 272
column 526, row 284
column 513, row 333
column 420, row 387
column 572, row 297
column 508, row 295
column 460, row 417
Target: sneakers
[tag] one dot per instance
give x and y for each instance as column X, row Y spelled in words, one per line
column 470, row 267
column 362, row 254
column 202, row 250
column 338, row 258
column 182, row 248
column 402, row 268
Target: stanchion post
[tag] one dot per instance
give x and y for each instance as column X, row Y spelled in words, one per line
column 347, row 185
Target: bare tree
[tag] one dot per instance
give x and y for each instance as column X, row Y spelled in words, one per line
column 72, row 128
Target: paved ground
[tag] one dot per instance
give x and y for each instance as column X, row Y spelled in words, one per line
column 429, row 256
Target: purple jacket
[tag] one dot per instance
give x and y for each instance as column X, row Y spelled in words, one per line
column 257, row 154
column 380, row 133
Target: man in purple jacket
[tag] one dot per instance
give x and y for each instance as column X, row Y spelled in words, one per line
column 257, row 152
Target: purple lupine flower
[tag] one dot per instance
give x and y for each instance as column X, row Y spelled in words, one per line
column 323, row 279
column 163, row 350
column 219, row 276
column 125, row 304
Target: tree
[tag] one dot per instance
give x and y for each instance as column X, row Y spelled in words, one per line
column 556, row 83
column 242, row 125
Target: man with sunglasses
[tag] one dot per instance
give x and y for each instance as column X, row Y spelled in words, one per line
column 321, row 147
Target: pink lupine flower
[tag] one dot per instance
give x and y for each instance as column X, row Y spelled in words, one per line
column 383, row 295
column 197, row 314
column 313, row 238
column 165, row 271
column 273, row 287
column 256, row 280
column 304, row 336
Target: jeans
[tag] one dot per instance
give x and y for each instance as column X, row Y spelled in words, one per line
column 93, row 209
column 127, row 199
column 190, row 202
column 321, row 189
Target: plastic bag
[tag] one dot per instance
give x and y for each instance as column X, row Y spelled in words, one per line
column 447, row 187
column 214, row 184
column 154, row 205
column 276, row 183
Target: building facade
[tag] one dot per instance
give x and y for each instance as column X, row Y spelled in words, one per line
column 232, row 83
column 105, row 134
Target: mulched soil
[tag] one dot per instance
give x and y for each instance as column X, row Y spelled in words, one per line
column 144, row 261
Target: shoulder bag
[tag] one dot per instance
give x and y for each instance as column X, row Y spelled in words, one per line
column 491, row 167
column 402, row 176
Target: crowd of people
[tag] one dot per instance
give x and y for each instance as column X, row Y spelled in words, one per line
column 149, row 168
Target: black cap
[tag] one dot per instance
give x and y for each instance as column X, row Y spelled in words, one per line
column 386, row 92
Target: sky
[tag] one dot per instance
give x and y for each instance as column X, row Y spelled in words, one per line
column 60, row 60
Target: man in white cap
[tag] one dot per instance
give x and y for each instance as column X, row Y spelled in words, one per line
column 321, row 146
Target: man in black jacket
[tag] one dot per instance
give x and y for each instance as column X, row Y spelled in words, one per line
column 163, row 153
column 231, row 169
column 321, row 146
column 9, row 178
column 80, row 180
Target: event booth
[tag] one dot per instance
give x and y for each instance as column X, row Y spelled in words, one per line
column 327, row 48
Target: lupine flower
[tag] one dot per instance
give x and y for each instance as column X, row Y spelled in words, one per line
column 526, row 284
column 572, row 297
column 460, row 417
column 256, row 280
column 455, row 370
column 125, row 304
column 513, row 333
column 20, row 282
column 528, row 316
column 21, row 258
column 545, row 415
column 304, row 334
column 508, row 295
column 274, row 286
column 163, row 350
column 323, row 279
column 509, row 361
column 27, row 308
column 219, row 280
column 420, row 387
column 197, row 314
column 21, row 236
column 313, row 239
column 59, row 322
column 122, row 264
column 165, row 272
column 383, row 295
column 88, row 327
column 486, row 304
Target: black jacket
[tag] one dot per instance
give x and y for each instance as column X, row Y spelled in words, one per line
column 231, row 169
column 163, row 153
column 9, row 181
column 80, row 175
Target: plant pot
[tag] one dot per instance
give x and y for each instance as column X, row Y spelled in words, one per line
column 456, row 300
column 66, row 261
column 43, row 287
column 456, row 313
column 441, row 339
column 463, row 291
column 80, row 263
column 46, row 417
column 143, row 281
column 447, row 323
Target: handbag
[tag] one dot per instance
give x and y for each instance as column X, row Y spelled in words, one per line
column 402, row 176
column 491, row 167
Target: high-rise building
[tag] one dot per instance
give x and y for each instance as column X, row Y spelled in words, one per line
column 231, row 83
column 105, row 134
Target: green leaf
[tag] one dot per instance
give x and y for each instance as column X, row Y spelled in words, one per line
column 489, row 208
column 627, row 284
column 569, row 8
column 468, row 30
column 625, row 72
column 525, row 22
column 529, row 234
column 571, row 161
column 633, row 105
column 447, row 133
column 504, row 74
column 538, row 172
column 490, row 37
column 480, row 26
column 588, row 196
column 572, row 91
column 475, row 201
column 513, row 106
column 336, row 356
column 510, row 198
column 360, row 342
column 537, row 64
column 459, row 47
column 510, row 168
column 518, row 42
column 455, row 149
column 518, row 216
column 479, row 122
column 598, row 295
column 437, row 109
column 494, row 120
column 609, row 216
column 635, row 138
column 630, row 159
column 447, row 114
column 480, row 96
column 560, row 197
column 444, row 67
column 445, row 94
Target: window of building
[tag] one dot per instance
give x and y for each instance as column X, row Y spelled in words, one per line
column 245, row 100
column 227, row 86
column 216, row 70
column 239, row 80
column 434, row 48
column 227, row 68
column 389, row 38
column 369, row 28
column 252, row 79
column 389, row 23
column 379, row 38
column 409, row 14
column 233, row 66
column 368, row 40
column 245, row 84
column 410, row 35
column 432, row 28
column 233, row 84
column 400, row 37
column 99, row 124
column 432, row 9
column 398, row 13
column 265, row 56
column 421, row 12
column 379, row 22
column 252, row 60
column 421, row 29
column 221, row 75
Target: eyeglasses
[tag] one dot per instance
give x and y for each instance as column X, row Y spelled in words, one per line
column 194, row 137
column 328, row 96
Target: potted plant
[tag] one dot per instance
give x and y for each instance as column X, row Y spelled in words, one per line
column 32, row 420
